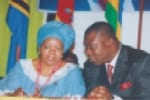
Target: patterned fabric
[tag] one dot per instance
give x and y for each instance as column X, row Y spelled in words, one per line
column 67, row 81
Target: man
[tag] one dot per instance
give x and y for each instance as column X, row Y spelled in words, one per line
column 130, row 75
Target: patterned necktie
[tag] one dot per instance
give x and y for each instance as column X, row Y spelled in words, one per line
column 109, row 72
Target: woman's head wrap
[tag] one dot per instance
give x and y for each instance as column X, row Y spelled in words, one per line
column 59, row 30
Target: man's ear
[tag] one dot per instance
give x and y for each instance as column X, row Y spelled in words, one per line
column 109, row 41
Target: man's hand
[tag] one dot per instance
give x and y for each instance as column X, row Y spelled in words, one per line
column 101, row 93
column 37, row 93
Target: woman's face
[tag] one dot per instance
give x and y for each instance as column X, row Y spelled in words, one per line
column 51, row 51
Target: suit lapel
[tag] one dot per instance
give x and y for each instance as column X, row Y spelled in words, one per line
column 104, row 77
column 121, row 69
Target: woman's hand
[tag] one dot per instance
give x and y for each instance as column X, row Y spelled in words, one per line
column 18, row 92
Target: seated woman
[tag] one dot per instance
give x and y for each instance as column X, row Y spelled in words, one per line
column 48, row 75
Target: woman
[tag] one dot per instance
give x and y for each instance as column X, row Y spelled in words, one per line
column 48, row 75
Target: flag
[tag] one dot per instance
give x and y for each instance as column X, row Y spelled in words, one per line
column 103, row 3
column 113, row 14
column 52, row 5
column 17, row 21
column 146, row 5
column 65, row 11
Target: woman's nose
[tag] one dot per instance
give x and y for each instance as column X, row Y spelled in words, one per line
column 52, row 50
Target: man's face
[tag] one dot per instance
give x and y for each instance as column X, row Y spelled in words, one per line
column 96, row 48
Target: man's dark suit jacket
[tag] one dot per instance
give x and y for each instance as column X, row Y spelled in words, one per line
column 131, row 77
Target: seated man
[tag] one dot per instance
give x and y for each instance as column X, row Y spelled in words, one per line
column 128, row 77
